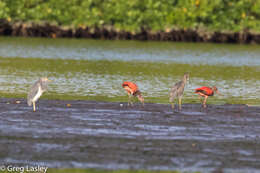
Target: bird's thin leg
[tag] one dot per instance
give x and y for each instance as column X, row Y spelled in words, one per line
column 200, row 99
column 34, row 107
column 132, row 104
column 205, row 100
column 180, row 103
column 172, row 105
column 129, row 99
column 141, row 99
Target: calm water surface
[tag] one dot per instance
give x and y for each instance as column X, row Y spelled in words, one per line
column 95, row 69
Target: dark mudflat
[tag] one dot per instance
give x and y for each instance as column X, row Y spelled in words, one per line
column 89, row 134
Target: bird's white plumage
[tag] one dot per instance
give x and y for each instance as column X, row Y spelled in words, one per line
column 38, row 95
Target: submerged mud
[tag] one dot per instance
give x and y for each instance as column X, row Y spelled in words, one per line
column 90, row 134
column 178, row 35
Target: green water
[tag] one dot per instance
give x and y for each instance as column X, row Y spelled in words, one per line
column 95, row 69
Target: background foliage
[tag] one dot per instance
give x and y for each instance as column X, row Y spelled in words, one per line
column 132, row 15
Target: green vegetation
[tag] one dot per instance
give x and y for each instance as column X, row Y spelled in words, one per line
column 154, row 15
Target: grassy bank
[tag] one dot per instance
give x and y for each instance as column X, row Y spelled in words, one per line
column 152, row 15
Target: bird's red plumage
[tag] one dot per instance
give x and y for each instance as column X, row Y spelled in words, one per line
column 131, row 85
column 205, row 90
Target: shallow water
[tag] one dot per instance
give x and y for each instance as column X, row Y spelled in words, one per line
column 95, row 69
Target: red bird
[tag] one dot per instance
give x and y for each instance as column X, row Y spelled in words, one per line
column 132, row 90
column 205, row 92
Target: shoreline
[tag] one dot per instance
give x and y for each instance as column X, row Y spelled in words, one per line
column 13, row 99
column 118, row 104
column 109, row 33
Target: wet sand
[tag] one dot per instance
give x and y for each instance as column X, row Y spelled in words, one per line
column 89, row 134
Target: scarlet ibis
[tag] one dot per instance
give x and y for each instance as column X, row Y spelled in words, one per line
column 178, row 89
column 133, row 91
column 206, row 92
